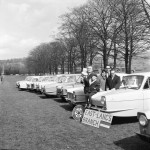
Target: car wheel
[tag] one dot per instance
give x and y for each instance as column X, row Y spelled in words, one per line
column 77, row 112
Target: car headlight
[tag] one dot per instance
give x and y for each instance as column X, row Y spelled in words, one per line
column 103, row 100
column 143, row 120
column 65, row 90
column 74, row 95
column 61, row 89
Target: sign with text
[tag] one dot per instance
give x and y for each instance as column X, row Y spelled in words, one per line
column 97, row 118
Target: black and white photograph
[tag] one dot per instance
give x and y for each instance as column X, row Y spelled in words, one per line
column 74, row 74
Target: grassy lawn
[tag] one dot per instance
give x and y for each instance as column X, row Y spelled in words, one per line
column 31, row 121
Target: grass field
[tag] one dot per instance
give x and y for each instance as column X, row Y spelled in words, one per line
column 30, row 121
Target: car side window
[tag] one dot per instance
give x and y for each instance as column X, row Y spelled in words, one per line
column 79, row 79
column 147, row 84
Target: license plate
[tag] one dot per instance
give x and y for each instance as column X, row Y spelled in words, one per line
column 97, row 118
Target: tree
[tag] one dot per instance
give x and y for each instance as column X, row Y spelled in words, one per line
column 134, row 31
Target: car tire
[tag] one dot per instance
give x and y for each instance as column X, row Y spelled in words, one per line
column 77, row 112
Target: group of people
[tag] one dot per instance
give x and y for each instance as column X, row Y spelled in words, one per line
column 93, row 83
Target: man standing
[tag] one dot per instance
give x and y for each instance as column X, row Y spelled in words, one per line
column 102, row 80
column 113, row 81
column 87, row 80
column 94, row 87
column 108, row 69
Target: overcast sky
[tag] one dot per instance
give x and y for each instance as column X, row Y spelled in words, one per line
column 27, row 23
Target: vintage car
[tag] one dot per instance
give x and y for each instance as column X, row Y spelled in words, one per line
column 144, row 125
column 62, row 89
column 76, row 96
column 30, row 84
column 36, row 82
column 26, row 79
column 131, row 98
column 43, row 79
column 23, row 84
column 63, row 80
column 49, row 82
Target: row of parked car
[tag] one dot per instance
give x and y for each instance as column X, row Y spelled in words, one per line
column 132, row 99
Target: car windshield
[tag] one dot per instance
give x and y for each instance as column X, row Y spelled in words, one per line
column 45, row 79
column 132, row 81
column 79, row 79
column 28, row 78
column 70, row 79
column 52, row 79
column 40, row 79
column 34, row 79
column 62, row 79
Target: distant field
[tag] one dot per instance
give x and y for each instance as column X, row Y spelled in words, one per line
column 30, row 121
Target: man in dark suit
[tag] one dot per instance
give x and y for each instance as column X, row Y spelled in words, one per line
column 113, row 81
column 94, row 87
column 87, row 80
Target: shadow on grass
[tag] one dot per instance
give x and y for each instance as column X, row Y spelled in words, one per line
column 47, row 96
column 44, row 97
column 67, row 107
column 59, row 100
column 21, row 89
column 124, row 120
column 133, row 143
column 38, row 93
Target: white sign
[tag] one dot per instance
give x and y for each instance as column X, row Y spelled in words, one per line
column 97, row 119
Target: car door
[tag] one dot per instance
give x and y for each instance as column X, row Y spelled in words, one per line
column 146, row 93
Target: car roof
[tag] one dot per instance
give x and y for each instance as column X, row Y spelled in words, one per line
column 141, row 73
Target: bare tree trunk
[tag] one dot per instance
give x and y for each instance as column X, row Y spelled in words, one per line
column 115, row 55
column 130, row 57
column 126, row 44
column 105, row 57
column 91, row 59
column 68, row 64
column 82, row 57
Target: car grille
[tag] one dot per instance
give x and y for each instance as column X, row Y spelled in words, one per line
column 59, row 91
column 70, row 96
column 32, row 86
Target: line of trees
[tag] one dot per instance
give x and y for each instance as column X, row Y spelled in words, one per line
column 113, row 29
column 13, row 66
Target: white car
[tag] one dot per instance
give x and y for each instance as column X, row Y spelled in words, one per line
column 34, row 84
column 30, row 84
column 18, row 82
column 51, row 89
column 40, row 80
column 23, row 84
column 131, row 98
column 51, row 80
column 63, row 88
